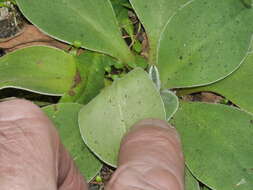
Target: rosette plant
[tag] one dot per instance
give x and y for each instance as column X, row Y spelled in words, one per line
column 194, row 46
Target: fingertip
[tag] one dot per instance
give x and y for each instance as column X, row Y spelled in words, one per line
column 152, row 122
column 17, row 109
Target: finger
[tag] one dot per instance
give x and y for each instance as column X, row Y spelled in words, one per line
column 18, row 109
column 150, row 159
column 27, row 148
column 30, row 149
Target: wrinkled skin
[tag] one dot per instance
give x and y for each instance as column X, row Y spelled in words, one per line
column 33, row 158
column 31, row 155
column 150, row 159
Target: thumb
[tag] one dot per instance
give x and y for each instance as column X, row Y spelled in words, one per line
column 31, row 155
column 150, row 159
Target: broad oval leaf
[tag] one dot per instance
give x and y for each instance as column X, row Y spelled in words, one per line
column 217, row 144
column 105, row 120
column 204, row 42
column 154, row 15
column 65, row 118
column 90, row 22
column 171, row 103
column 39, row 69
column 236, row 87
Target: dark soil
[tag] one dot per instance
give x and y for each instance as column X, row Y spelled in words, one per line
column 40, row 100
column 105, row 173
column 7, row 29
column 1, row 52
column 11, row 23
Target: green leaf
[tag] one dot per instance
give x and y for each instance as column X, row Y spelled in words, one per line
column 210, row 43
column 217, row 144
column 154, row 15
column 127, row 4
column 39, row 69
column 237, row 87
column 171, row 103
column 205, row 188
column 248, row 3
column 65, row 118
column 104, row 121
column 119, row 5
column 3, row 4
column 89, row 78
column 137, row 47
column 122, row 16
column 251, row 46
column 190, row 182
column 155, row 76
column 141, row 62
column 90, row 22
